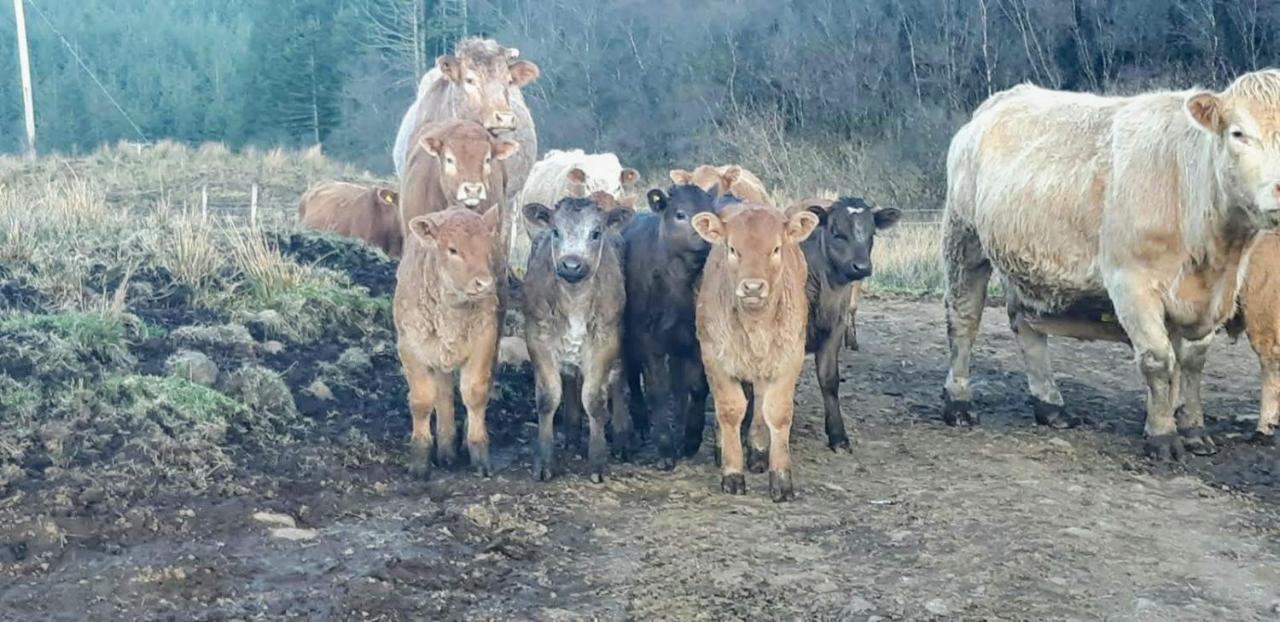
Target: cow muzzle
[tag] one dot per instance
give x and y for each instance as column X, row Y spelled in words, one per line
column 857, row 270
column 479, row 286
column 471, row 194
column 501, row 121
column 752, row 293
column 572, row 269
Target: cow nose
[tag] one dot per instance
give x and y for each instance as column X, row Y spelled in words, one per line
column 571, row 269
column 752, row 288
column 481, row 284
column 471, row 194
column 502, row 120
column 861, row 269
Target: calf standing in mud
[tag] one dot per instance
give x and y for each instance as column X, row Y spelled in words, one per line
column 664, row 259
column 446, row 317
column 751, row 317
column 838, row 255
column 573, row 301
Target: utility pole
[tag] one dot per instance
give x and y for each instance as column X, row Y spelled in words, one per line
column 24, row 61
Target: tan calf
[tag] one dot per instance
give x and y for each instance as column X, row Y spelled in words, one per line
column 1260, row 309
column 742, row 183
column 446, row 316
column 751, row 318
column 366, row 213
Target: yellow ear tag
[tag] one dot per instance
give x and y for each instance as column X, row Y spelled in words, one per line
column 1107, row 317
column 386, row 198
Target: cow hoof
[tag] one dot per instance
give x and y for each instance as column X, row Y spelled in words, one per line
column 667, row 463
column 1051, row 415
column 480, row 458
column 840, row 444
column 446, row 455
column 597, row 477
column 622, row 453
column 780, row 488
column 420, row 460
column 958, row 413
column 851, row 340
column 757, row 461
column 541, row 471
column 734, row 483
column 1198, row 442
column 1262, row 438
column 692, row 445
column 1165, row 448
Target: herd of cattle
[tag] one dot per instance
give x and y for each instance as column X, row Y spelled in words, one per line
column 1141, row 219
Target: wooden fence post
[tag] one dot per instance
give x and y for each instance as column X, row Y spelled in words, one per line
column 204, row 203
column 253, row 206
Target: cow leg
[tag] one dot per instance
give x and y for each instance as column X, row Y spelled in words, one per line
column 476, row 383
column 1141, row 313
column 422, row 401
column 1269, row 416
column 657, row 383
column 731, row 407
column 620, row 414
column 1046, row 400
column 968, row 271
column 827, row 361
column 595, row 398
column 757, row 433
column 695, row 421
column 1190, row 416
column 851, row 331
column 546, row 371
column 571, row 410
column 777, row 403
column 638, row 408
column 446, row 424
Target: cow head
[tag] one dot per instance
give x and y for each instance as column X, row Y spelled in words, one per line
column 465, row 153
column 581, row 184
column 846, row 232
column 753, row 239
column 486, row 73
column 579, row 228
column 1245, row 120
column 677, row 207
column 460, row 242
column 388, row 199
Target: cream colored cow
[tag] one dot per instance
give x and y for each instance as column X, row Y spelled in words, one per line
column 1122, row 218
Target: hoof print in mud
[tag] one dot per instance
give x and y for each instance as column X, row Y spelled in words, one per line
column 1198, row 442
column 780, row 487
column 958, row 413
column 1165, row 448
column 734, row 483
column 1051, row 415
column 757, row 461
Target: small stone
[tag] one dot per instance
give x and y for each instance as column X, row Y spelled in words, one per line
column 937, row 607
column 192, row 366
column 272, row 347
column 320, row 391
column 294, row 534
column 275, row 518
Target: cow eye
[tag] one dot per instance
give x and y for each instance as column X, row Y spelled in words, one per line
column 453, row 251
column 841, row 237
column 733, row 252
column 680, row 216
column 595, row 235
column 777, row 249
column 555, row 233
column 1239, row 135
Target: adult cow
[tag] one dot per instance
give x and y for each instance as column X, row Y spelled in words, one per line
column 560, row 174
column 1139, row 206
column 369, row 213
column 479, row 82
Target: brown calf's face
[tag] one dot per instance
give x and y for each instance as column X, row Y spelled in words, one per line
column 1246, row 119
column 461, row 242
column 486, row 81
column 466, row 158
column 754, row 238
column 579, row 228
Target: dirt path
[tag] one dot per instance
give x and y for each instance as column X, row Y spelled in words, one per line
column 1005, row 521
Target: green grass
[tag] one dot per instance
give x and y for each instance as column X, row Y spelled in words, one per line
column 103, row 336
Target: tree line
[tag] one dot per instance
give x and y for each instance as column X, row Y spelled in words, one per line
column 653, row 80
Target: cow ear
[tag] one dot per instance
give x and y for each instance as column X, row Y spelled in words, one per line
column 1205, row 109
column 629, row 176
column 492, row 218
column 537, row 215
column 389, row 198
column 708, row 227
column 432, row 145
column 425, row 228
column 728, row 178
column 800, row 225
column 523, row 72
column 503, row 149
column 819, row 211
column 628, row 201
column 450, row 67
column 657, row 200
column 576, row 176
column 886, row 216
column 618, row 217
column 681, row 177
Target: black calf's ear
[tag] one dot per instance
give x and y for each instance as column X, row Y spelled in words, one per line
column 537, row 215
column 657, row 200
column 820, row 212
column 886, row 216
column 618, row 217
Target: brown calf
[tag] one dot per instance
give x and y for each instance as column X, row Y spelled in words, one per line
column 1260, row 310
column 751, row 317
column 366, row 213
column 446, row 316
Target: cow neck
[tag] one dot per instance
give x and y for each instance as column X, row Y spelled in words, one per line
column 1212, row 218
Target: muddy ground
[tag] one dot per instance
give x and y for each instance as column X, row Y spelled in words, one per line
column 922, row 521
